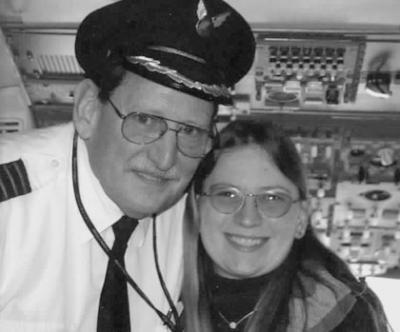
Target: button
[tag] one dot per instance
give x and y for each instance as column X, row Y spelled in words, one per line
column 55, row 163
column 314, row 151
column 321, row 193
column 366, row 235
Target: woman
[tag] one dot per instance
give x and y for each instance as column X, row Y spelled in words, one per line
column 252, row 262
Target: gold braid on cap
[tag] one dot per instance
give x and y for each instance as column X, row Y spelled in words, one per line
column 171, row 50
column 155, row 66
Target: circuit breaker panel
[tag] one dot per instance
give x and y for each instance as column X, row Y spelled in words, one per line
column 306, row 71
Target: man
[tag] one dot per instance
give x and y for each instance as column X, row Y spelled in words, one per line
column 70, row 196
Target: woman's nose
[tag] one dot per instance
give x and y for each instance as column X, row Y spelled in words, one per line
column 249, row 214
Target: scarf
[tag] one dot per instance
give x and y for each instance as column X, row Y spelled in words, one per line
column 327, row 302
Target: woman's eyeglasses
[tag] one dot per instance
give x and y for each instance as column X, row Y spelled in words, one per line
column 143, row 128
column 269, row 203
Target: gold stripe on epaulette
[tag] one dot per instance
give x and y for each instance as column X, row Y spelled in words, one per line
column 14, row 180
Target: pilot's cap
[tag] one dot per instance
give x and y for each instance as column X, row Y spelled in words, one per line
column 200, row 47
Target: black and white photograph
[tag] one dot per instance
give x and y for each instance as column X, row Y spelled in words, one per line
column 281, row 215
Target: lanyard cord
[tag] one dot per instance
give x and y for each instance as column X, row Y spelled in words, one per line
column 75, row 181
column 163, row 286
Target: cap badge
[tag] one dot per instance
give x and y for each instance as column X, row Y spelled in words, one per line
column 205, row 24
column 201, row 10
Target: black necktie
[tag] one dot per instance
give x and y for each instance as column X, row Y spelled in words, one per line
column 114, row 306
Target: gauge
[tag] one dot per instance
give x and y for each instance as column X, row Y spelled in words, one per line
column 376, row 195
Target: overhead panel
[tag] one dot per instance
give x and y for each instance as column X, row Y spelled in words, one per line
column 309, row 70
column 322, row 72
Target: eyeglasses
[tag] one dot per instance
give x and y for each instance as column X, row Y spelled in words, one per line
column 143, row 128
column 269, row 203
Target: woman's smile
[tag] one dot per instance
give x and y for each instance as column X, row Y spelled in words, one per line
column 245, row 243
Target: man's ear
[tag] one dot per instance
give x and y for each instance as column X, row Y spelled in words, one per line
column 87, row 108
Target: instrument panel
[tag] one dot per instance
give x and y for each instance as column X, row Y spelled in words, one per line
column 354, row 186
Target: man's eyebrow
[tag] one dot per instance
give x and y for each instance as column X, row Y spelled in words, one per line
column 195, row 125
column 190, row 123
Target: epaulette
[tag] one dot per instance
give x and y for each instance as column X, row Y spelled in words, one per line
column 14, row 180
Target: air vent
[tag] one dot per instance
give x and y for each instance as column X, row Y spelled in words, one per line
column 10, row 126
column 44, row 53
column 58, row 65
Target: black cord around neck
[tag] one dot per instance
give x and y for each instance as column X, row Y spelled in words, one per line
column 174, row 327
column 160, row 277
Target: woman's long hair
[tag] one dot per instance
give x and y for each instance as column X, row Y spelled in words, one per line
column 273, row 304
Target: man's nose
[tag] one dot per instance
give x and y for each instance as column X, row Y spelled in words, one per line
column 249, row 215
column 163, row 152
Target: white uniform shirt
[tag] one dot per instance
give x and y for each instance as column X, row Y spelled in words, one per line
column 51, row 268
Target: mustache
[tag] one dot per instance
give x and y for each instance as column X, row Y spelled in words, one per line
column 171, row 174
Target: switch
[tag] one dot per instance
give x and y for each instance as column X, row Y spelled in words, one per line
column 396, row 176
column 346, row 235
column 332, row 95
column 321, row 193
column 314, row 151
column 366, row 236
column 328, row 152
column 362, row 174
